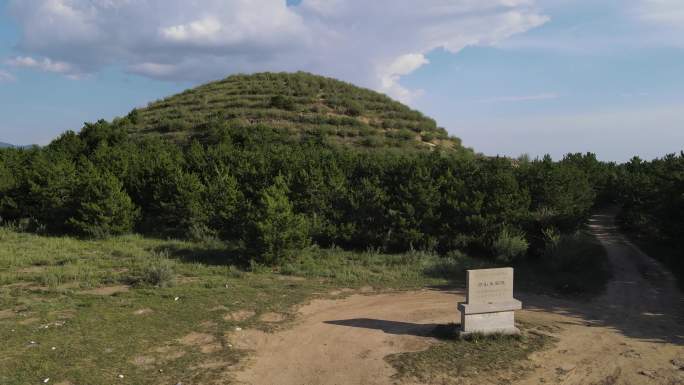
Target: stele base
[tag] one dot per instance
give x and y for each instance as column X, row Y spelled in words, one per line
column 487, row 319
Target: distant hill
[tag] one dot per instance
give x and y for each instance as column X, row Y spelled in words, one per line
column 300, row 103
column 5, row 145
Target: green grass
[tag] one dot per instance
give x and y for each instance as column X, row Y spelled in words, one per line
column 43, row 298
column 448, row 361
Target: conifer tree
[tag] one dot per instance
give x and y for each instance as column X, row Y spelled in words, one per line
column 279, row 233
column 102, row 207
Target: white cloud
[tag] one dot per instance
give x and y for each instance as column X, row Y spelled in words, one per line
column 200, row 30
column 372, row 43
column 6, row 77
column 45, row 64
column 391, row 74
column 521, row 98
column 662, row 12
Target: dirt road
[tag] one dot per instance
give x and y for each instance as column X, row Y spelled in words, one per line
column 633, row 334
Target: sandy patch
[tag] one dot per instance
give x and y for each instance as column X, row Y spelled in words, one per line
column 168, row 353
column 197, row 339
column 9, row 313
column 29, row 321
column 144, row 311
column 239, row 316
column 32, row 269
column 208, row 324
column 64, row 314
column 107, row 290
column 272, row 317
column 206, row 343
column 344, row 341
column 143, row 361
column 69, row 286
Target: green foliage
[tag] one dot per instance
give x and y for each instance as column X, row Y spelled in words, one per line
column 157, row 272
column 296, row 104
column 49, row 187
column 509, row 245
column 283, row 102
column 279, row 233
column 103, row 208
column 652, row 198
column 247, row 169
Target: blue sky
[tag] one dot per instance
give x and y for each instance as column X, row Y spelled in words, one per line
column 507, row 76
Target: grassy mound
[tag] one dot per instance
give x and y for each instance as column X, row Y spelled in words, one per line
column 299, row 104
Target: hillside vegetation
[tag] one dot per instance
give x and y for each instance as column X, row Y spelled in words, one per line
column 301, row 105
column 271, row 188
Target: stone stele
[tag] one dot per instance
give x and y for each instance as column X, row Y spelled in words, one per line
column 489, row 306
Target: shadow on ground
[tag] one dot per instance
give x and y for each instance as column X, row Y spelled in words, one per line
column 440, row 331
column 213, row 256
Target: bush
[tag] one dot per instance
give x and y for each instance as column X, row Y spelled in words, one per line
column 159, row 272
column 283, row 103
column 279, row 233
column 509, row 245
column 353, row 108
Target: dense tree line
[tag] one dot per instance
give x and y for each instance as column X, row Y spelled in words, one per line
column 274, row 195
column 652, row 198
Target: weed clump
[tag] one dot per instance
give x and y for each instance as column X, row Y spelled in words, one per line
column 157, row 272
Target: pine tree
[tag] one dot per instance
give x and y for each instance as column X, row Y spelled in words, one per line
column 279, row 233
column 103, row 207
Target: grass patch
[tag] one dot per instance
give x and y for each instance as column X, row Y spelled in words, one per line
column 577, row 265
column 452, row 359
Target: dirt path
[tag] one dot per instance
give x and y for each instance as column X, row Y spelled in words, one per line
column 630, row 335
column 633, row 334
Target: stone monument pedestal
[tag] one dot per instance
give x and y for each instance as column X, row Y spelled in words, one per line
column 490, row 306
column 489, row 318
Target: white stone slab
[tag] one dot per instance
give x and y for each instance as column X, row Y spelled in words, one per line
column 490, row 286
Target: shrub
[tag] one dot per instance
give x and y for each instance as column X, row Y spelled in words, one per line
column 353, row 108
column 552, row 240
column 283, row 103
column 280, row 233
column 159, row 272
column 509, row 245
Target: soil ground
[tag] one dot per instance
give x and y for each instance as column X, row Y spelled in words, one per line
column 632, row 334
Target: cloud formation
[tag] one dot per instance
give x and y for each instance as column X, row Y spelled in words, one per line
column 662, row 12
column 372, row 43
column 45, row 64
column 6, row 77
